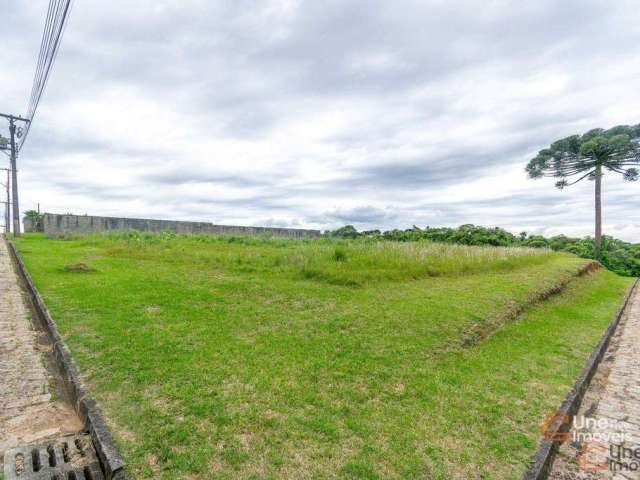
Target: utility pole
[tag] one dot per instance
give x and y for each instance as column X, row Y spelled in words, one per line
column 7, row 204
column 14, row 171
column 14, row 178
column 8, row 209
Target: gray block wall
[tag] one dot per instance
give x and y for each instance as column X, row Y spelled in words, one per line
column 29, row 225
column 59, row 225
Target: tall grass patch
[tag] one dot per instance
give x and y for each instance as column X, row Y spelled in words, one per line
column 362, row 262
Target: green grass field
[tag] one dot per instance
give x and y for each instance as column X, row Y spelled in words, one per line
column 231, row 358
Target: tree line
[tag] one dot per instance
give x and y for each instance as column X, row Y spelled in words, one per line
column 617, row 255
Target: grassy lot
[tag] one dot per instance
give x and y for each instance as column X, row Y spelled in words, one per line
column 229, row 358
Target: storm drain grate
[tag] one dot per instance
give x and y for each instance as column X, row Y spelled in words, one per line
column 66, row 458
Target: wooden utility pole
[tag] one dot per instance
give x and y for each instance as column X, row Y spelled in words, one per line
column 14, row 171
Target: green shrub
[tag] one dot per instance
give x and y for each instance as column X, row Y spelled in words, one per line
column 339, row 255
column 617, row 255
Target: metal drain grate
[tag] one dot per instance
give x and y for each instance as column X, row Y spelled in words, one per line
column 66, row 458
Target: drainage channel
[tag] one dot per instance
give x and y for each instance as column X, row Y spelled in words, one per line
column 66, row 458
column 42, row 435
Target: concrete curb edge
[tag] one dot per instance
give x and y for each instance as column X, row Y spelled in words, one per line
column 87, row 409
column 542, row 461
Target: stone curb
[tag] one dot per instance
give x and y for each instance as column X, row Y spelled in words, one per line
column 87, row 409
column 542, row 461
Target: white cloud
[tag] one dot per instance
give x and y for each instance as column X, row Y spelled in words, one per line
column 322, row 113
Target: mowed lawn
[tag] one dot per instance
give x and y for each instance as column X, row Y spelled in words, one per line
column 231, row 358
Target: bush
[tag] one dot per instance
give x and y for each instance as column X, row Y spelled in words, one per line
column 348, row 231
column 617, row 255
column 339, row 255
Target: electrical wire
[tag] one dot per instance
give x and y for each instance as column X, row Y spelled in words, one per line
column 55, row 23
column 56, row 16
column 48, row 36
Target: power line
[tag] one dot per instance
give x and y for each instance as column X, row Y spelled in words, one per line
column 47, row 46
column 43, row 48
column 54, row 27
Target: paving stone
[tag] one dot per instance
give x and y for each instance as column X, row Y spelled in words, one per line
column 615, row 390
column 28, row 411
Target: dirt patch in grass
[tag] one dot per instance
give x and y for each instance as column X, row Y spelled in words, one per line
column 78, row 268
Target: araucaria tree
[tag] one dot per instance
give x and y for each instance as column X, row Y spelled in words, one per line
column 588, row 156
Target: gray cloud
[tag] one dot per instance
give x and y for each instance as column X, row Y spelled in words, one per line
column 382, row 114
column 178, row 177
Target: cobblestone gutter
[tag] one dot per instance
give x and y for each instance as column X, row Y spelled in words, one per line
column 31, row 408
column 85, row 408
column 604, row 440
column 542, row 461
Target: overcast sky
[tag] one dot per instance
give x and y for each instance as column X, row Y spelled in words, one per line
column 324, row 113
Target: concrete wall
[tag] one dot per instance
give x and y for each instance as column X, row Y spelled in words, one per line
column 29, row 225
column 58, row 225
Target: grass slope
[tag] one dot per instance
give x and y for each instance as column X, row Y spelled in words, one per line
column 230, row 358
